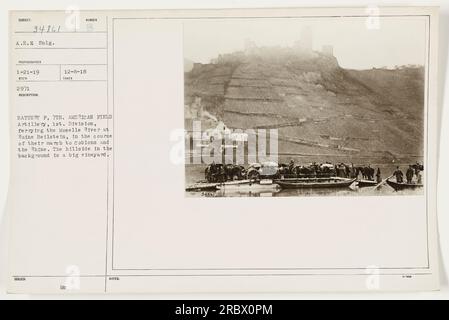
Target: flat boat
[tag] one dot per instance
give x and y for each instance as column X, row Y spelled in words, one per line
column 305, row 183
column 258, row 186
column 403, row 186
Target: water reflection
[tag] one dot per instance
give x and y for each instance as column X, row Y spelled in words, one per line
column 351, row 191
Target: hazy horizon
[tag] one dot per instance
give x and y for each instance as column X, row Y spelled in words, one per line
column 397, row 42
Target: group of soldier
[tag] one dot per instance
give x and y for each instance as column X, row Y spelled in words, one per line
column 412, row 171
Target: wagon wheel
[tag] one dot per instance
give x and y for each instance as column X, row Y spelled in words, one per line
column 253, row 175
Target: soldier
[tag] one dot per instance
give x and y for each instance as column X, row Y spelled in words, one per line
column 291, row 166
column 347, row 171
column 341, row 170
column 409, row 174
column 370, row 172
column 353, row 171
column 378, row 176
column 399, row 175
column 419, row 166
column 418, row 175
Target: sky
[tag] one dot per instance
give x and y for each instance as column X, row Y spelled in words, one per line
column 396, row 41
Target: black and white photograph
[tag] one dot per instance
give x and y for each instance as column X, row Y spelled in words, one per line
column 305, row 106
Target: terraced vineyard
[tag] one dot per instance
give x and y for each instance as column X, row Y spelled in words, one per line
column 318, row 107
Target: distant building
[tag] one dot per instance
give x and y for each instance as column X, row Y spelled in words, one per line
column 328, row 50
column 305, row 42
column 250, row 46
column 307, row 38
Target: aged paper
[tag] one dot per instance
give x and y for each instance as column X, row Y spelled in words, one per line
column 268, row 150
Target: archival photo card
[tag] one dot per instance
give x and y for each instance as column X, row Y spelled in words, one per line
column 232, row 150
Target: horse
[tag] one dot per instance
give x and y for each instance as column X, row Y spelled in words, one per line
column 215, row 173
column 234, row 172
column 327, row 169
column 342, row 170
column 304, row 171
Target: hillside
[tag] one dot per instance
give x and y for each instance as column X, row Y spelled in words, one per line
column 318, row 107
